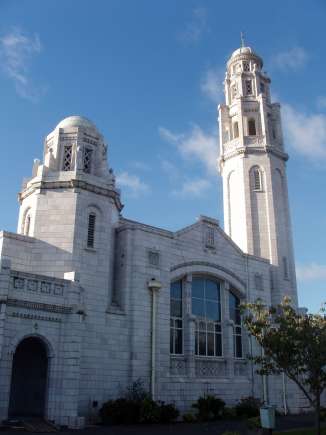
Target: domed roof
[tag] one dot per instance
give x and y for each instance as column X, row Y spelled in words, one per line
column 243, row 51
column 76, row 121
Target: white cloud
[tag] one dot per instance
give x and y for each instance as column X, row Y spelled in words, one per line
column 16, row 52
column 291, row 59
column 212, row 84
column 196, row 27
column 192, row 188
column 195, row 144
column 170, row 170
column 132, row 183
column 311, row 272
column 306, row 133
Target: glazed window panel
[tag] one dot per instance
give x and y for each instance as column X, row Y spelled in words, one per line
column 176, row 318
column 206, row 306
column 235, row 316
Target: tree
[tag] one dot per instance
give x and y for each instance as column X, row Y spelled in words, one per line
column 293, row 343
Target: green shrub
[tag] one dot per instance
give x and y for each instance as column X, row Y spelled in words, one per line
column 248, row 407
column 189, row 418
column 137, row 408
column 254, row 423
column 209, row 408
column 137, row 392
column 149, row 411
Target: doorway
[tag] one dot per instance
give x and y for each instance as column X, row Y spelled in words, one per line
column 29, row 379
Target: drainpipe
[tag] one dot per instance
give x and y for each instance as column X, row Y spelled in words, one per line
column 154, row 286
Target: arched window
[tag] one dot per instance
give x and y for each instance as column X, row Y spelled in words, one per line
column 91, row 230
column 176, row 317
column 251, row 127
column 206, row 306
column 235, row 316
column 257, row 179
column 27, row 224
column 236, row 129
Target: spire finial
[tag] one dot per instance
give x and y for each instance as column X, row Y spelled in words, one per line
column 242, row 39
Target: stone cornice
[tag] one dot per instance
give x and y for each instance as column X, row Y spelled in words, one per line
column 37, row 306
column 72, row 184
column 254, row 150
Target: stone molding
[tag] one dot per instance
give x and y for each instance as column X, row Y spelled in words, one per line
column 52, row 308
column 254, row 150
column 35, row 317
column 208, row 264
column 71, row 184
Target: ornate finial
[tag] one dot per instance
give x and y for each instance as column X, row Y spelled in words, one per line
column 242, row 39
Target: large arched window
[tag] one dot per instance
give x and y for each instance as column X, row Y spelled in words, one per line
column 176, row 317
column 235, row 316
column 206, row 306
column 251, row 127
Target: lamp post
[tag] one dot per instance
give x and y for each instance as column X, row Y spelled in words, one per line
column 154, row 286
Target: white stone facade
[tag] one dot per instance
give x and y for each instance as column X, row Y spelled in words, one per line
column 77, row 275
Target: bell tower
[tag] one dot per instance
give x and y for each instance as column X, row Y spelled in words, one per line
column 71, row 204
column 253, row 166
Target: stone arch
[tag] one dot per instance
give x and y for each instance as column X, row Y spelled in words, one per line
column 29, row 386
column 26, row 222
column 202, row 268
column 18, row 339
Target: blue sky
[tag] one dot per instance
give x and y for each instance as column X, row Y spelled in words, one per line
column 149, row 74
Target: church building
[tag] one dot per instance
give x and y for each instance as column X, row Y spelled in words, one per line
column 91, row 301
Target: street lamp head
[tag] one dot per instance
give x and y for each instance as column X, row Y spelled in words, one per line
column 154, row 285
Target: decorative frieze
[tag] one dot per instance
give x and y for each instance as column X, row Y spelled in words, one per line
column 240, row 368
column 62, row 309
column 35, row 317
column 24, row 283
column 210, row 368
column 177, row 366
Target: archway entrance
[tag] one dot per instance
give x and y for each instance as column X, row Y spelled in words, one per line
column 29, row 379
